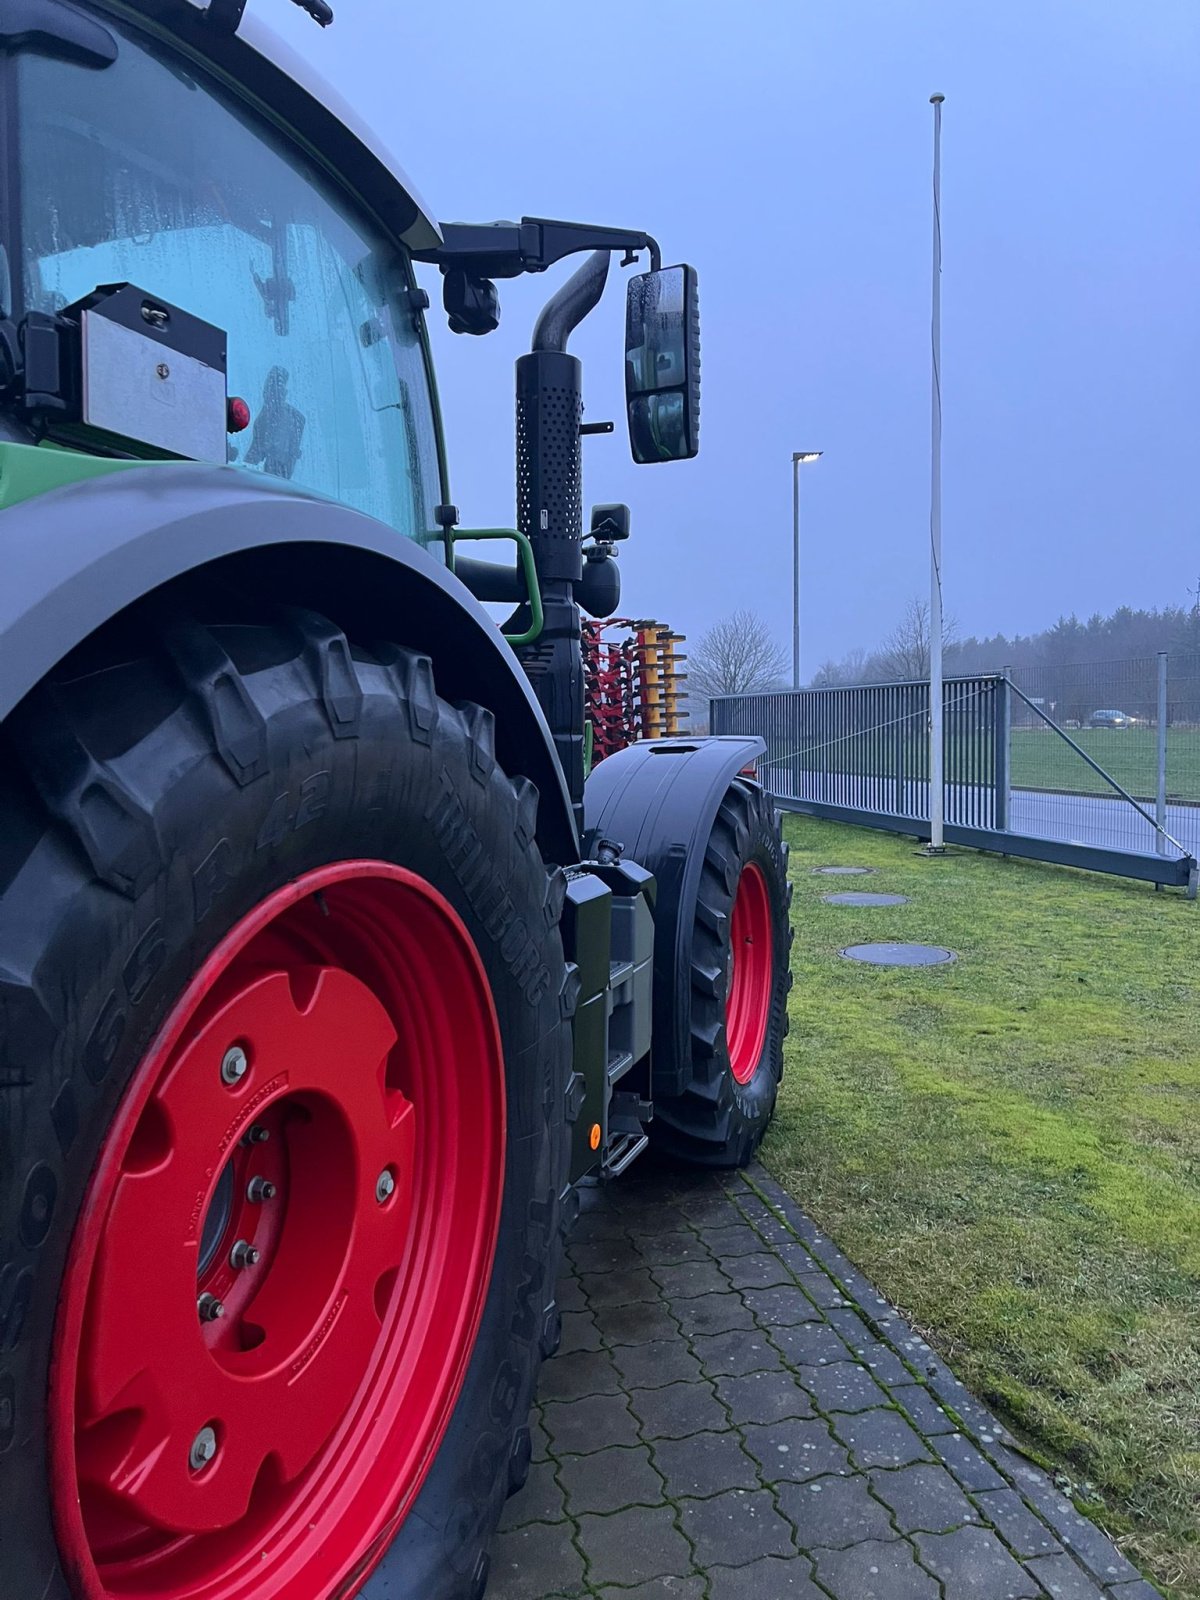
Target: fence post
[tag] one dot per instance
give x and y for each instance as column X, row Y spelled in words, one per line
column 1002, row 777
column 1160, row 809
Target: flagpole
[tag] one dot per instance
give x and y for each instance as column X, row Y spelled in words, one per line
column 937, row 790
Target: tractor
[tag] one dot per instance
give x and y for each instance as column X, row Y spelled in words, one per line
column 329, row 967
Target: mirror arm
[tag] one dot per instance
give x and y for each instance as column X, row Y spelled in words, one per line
column 507, row 249
column 566, row 309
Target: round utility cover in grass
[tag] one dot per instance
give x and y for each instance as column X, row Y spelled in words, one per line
column 865, row 899
column 843, row 872
column 899, row 955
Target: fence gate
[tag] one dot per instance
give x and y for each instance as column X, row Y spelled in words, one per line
column 861, row 754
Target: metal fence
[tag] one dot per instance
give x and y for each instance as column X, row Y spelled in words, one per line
column 1016, row 780
column 1139, row 720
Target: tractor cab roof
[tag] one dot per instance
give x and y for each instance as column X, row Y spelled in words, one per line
column 266, row 69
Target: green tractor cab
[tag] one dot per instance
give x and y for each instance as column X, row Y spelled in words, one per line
column 329, row 967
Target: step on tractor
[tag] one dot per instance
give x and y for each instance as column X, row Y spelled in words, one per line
column 330, row 966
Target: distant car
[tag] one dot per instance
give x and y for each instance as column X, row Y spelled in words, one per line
column 1111, row 719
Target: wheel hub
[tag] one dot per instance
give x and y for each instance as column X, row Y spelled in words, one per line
column 751, row 973
column 273, row 1253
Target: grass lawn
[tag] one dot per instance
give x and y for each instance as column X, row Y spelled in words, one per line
column 1010, row 1148
column 1041, row 760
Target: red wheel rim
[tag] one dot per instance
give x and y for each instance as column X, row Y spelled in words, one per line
column 373, row 1065
column 751, row 967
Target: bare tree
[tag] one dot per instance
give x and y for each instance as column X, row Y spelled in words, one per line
column 736, row 656
column 905, row 651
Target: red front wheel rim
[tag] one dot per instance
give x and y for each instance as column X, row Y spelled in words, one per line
column 751, row 968
column 282, row 1261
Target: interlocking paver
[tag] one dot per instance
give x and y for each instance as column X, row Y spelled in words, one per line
column 691, row 1278
column 885, row 1365
column 923, row 1408
column 704, row 1464
column 600, row 1255
column 670, row 1249
column 763, row 1397
column 809, row 1345
column 609, row 1480
column 579, row 1332
column 974, row 1565
column 618, row 1288
column 967, row 1465
column 923, row 1498
column 842, row 1386
column 794, row 1451
column 1064, row 1578
column 541, row 1440
column 713, row 1313
column 851, row 1326
column 834, row 1512
column 577, row 1427
column 529, row 1563
column 688, row 1344
column 735, row 1528
column 795, row 1257
column 640, row 1323
column 635, row 1546
column 874, row 1570
column 821, row 1289
column 739, row 1239
column 781, row 1307
column 570, row 1294
column 677, row 1410
column 660, row 1589
column 1026, row 1534
column 652, row 1366
column 583, row 1372
column 594, row 1225
column 772, row 1578
column 880, row 1438
column 757, row 1272
column 541, row 1500
column 738, row 1351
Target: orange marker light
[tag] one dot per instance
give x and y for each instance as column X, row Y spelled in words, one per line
column 594, row 1139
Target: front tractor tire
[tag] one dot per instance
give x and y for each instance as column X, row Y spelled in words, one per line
column 740, row 977
column 283, row 1132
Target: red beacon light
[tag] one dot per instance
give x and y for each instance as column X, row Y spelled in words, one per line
column 237, row 415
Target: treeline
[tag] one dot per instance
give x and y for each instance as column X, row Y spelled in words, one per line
column 1125, row 636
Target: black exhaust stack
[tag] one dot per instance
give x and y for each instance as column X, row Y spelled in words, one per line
column 550, row 508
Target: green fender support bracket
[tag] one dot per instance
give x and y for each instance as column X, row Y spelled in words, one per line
column 528, row 567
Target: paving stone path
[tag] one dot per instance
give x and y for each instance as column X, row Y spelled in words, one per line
column 736, row 1414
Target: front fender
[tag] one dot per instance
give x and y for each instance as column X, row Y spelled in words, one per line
column 659, row 800
column 77, row 556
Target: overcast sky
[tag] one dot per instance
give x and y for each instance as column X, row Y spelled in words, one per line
column 783, row 147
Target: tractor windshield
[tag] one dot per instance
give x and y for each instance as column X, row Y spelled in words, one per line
column 148, row 172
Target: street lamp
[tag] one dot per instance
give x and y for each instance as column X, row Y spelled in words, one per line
column 799, row 459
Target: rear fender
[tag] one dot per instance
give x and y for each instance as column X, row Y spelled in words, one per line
column 74, row 558
column 659, row 799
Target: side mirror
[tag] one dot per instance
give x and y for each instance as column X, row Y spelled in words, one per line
column 662, row 364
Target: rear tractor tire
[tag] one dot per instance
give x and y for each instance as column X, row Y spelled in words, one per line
column 283, row 1137
column 740, row 945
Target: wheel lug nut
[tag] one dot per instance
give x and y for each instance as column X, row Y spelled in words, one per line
column 234, row 1065
column 385, row 1188
column 243, row 1255
column 260, row 1189
column 210, row 1308
column 256, row 1134
column 204, row 1448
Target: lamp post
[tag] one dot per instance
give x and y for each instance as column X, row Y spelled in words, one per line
column 799, row 459
column 937, row 787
